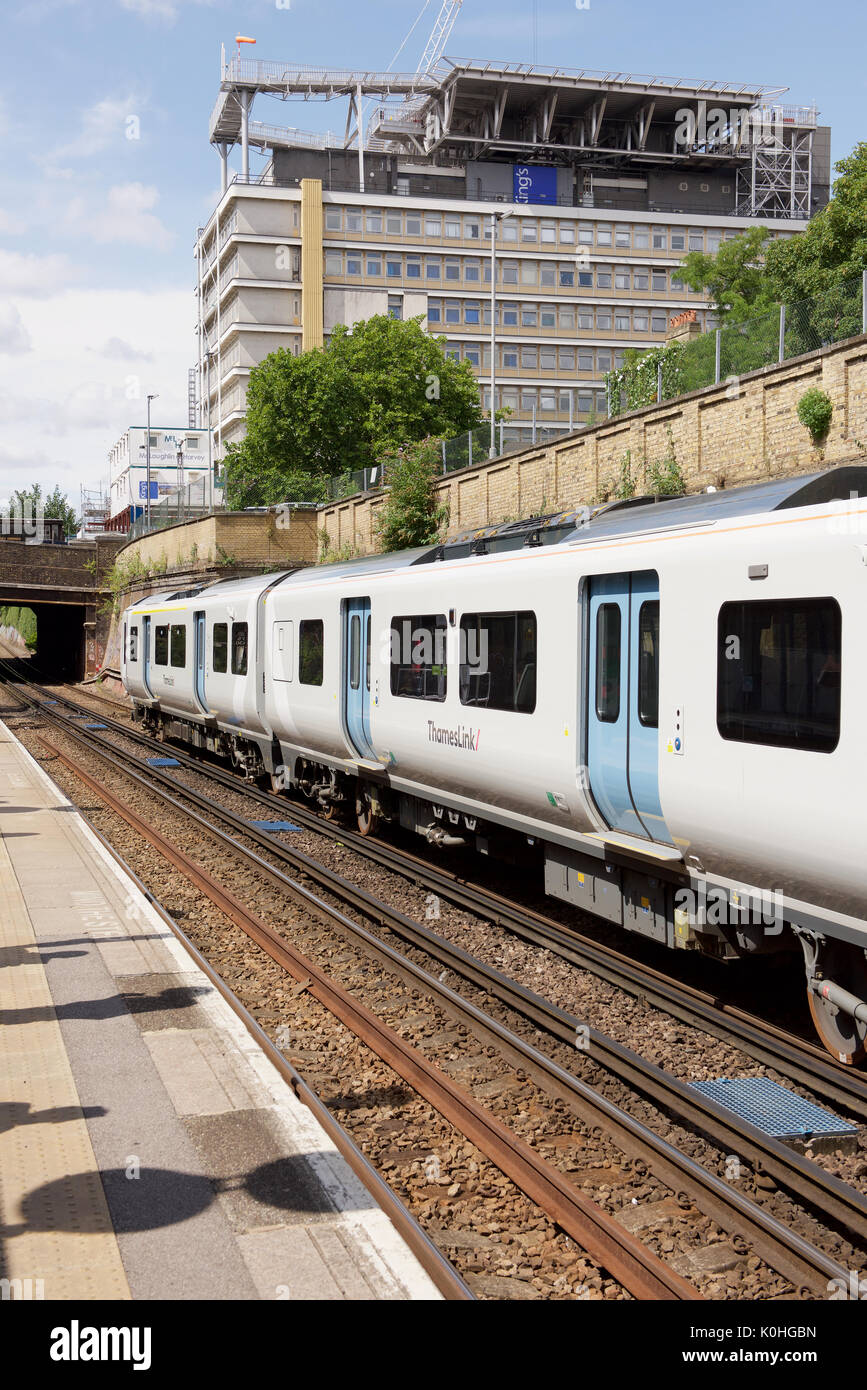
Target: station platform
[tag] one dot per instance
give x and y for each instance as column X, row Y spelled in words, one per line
column 148, row 1147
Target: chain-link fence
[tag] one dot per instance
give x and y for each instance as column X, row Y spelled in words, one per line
column 189, row 503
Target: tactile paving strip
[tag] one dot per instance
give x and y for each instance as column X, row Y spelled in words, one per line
column 56, row 1228
column 772, row 1108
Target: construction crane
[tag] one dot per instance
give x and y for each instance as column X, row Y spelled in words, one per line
column 445, row 22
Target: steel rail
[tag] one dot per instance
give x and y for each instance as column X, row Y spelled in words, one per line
column 792, row 1057
column 801, row 1262
column 620, row 1253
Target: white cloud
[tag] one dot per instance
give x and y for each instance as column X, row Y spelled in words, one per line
column 9, row 226
column 122, row 351
column 33, row 275
column 14, row 338
column 125, row 216
column 101, row 125
column 65, row 403
column 165, row 10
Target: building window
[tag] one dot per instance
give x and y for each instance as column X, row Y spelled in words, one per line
column 567, row 277
column 608, row 663
column 179, row 644
column 778, row 673
column 603, row 277
column 239, row 649
column 472, row 312
column 453, row 311
column 510, row 357
column 547, row 401
column 333, row 219
column 311, row 647
column 549, row 232
column 657, row 280
column 641, row 238
column 418, row 657
column 567, row 233
column 677, row 285
column 565, row 402
column 547, row 273
column 333, row 262
column 353, row 264
column 622, row 236
column 509, row 399
column 660, row 239
column 353, row 221
column 161, row 646
column 648, row 663
column 453, row 350
column 453, row 226
column 529, row 315
column 510, row 272
column 621, row 321
column 548, row 359
column 393, row 267
column 621, row 279
column 678, row 241
column 498, row 666
column 395, row 306
column 220, row 651
column 567, row 359
column 529, row 272
column 585, row 402
column 657, row 322
column 603, row 360
column 640, row 320
column 453, row 270
column 394, row 223
column 471, row 354
column 714, row 240
column 472, row 272
column 433, row 226
column 374, row 265
column 603, row 319
column 548, row 316
column 413, row 224
column 432, row 269
column 528, row 401
column 618, row 359
column 696, row 241
column 603, row 234
column 509, row 230
column 567, row 317
column 510, row 315
column 413, row 267
column 529, row 357
column 585, row 235
column 374, row 220
column 585, row 360
column 640, row 279
column 472, row 229
column 434, row 311
column 529, row 230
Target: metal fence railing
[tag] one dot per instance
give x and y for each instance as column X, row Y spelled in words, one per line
column 189, row 503
column 735, row 349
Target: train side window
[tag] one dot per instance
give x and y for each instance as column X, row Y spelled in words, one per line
column 220, row 653
column 311, row 646
column 161, row 646
column 418, row 657
column 778, row 673
column 355, row 651
column 498, row 661
column 179, row 645
column 239, row 649
column 608, row 663
column 133, row 642
column 648, row 663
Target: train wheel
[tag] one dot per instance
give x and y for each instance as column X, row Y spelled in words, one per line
column 331, row 811
column 844, row 1036
column 368, row 816
column 276, row 781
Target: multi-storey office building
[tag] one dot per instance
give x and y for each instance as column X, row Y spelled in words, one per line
column 601, row 184
column 178, row 457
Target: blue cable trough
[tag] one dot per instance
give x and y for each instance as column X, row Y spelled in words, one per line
column 96, row 726
column 274, row 825
column 777, row 1111
column 163, row 762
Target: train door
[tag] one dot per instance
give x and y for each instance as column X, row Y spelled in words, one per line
column 200, row 660
column 356, row 674
column 146, row 655
column 623, row 702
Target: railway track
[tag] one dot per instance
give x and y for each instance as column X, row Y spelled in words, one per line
column 790, row 1056
column 806, row 1266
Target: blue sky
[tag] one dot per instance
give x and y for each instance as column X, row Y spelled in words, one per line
column 107, row 170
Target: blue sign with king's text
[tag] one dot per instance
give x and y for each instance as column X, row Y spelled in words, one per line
column 534, row 183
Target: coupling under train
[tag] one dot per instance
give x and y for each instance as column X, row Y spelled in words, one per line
column 657, row 703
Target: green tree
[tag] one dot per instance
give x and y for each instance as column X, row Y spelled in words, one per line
column 734, row 277
column 343, row 406
column 411, row 514
column 56, row 505
column 834, row 246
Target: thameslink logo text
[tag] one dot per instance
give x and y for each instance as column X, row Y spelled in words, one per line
column 459, row 737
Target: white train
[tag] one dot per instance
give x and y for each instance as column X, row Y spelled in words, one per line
column 659, row 702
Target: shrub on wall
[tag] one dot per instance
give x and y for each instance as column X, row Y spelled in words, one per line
column 814, row 412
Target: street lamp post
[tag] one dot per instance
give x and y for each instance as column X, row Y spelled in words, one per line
column 148, row 456
column 180, row 478
column 495, row 218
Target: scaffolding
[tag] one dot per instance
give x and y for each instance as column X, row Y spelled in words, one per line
column 94, row 509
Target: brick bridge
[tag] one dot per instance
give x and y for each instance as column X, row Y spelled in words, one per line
column 61, row 583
